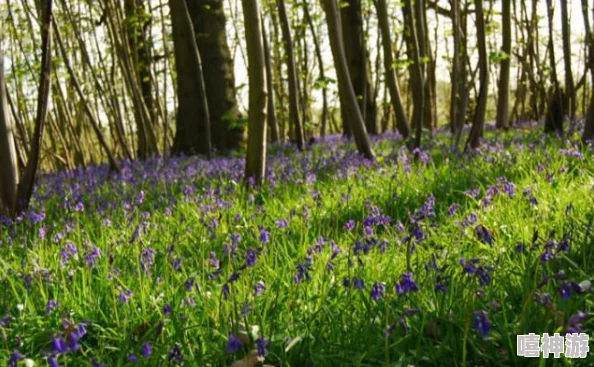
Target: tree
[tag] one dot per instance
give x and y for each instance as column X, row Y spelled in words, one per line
column 502, row 120
column 555, row 108
column 348, row 99
column 26, row 183
column 391, row 80
column 193, row 120
column 294, row 118
column 588, row 134
column 271, row 116
column 9, row 177
column 256, row 149
column 137, row 25
column 416, row 69
column 570, row 94
column 208, row 18
column 357, row 61
column 478, row 120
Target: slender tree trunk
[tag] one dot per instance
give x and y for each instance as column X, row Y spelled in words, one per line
column 416, row 70
column 345, row 87
column 357, row 60
column 556, row 106
column 193, row 120
column 478, row 121
column 391, row 81
column 9, row 176
column 255, row 167
column 271, row 116
column 503, row 96
column 322, row 76
column 570, row 94
column 209, row 22
column 588, row 134
column 294, row 118
column 25, row 189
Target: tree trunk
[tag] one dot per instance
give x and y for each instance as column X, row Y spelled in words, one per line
column 416, row 70
column 255, row 167
column 271, row 116
column 478, row 121
column 9, row 177
column 588, row 134
column 25, row 189
column 570, row 94
column 209, row 22
column 345, row 88
column 555, row 108
column 137, row 25
column 357, row 60
column 193, row 121
column 391, row 81
column 503, row 96
column 294, row 118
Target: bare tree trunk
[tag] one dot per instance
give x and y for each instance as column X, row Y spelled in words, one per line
column 357, row 61
column 255, row 168
column 391, row 81
column 9, row 176
column 570, row 94
column 503, row 97
column 193, row 120
column 209, row 22
column 416, row 70
column 294, row 118
column 25, row 189
column 320, row 60
column 588, row 134
column 556, row 106
column 271, row 116
column 478, row 121
column 345, row 87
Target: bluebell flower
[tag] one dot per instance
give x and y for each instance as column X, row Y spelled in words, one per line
column 264, row 235
column 233, row 344
column 175, row 354
column 14, row 358
column 481, row 323
column 378, row 291
column 146, row 350
column 259, row 288
column 132, row 358
column 483, row 234
column 261, row 345
column 358, row 283
column 251, row 257
column 52, row 361
column 167, row 310
column 51, row 305
column 407, row 284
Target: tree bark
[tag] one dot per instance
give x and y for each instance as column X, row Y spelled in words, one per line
column 391, row 81
column 271, row 116
column 345, row 87
column 478, row 121
column 193, row 120
column 570, row 94
column 416, row 70
column 255, row 167
column 357, row 60
column 294, row 118
column 502, row 121
column 588, row 134
column 556, row 105
column 25, row 188
column 209, row 22
column 9, row 176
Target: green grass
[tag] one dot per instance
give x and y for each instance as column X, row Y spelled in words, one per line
column 318, row 321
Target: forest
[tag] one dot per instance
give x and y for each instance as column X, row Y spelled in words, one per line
column 296, row 182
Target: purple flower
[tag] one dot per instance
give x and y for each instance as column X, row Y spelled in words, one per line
column 259, row 288
column 234, row 344
column 358, row 283
column 407, row 284
column 14, row 358
column 481, row 323
column 167, row 310
column 452, row 209
column 59, row 345
column 124, row 297
column 261, row 345
column 52, row 361
column 483, row 234
column 175, row 353
column 264, row 235
column 214, row 262
column 146, row 350
column 378, row 291
column 349, row 225
column 250, row 257
column 51, row 304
